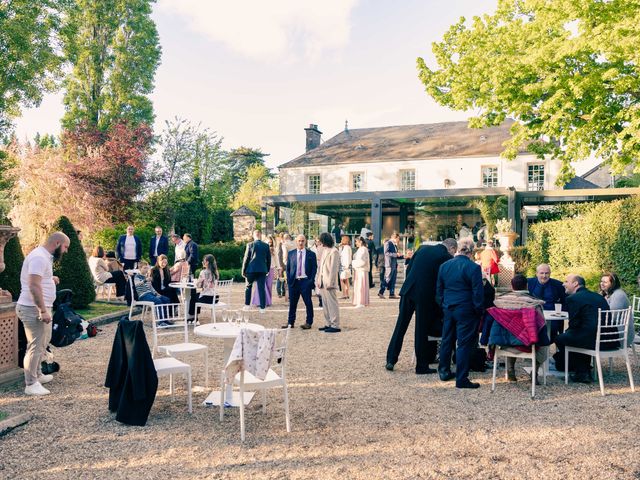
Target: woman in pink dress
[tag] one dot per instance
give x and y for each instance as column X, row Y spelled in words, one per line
column 361, row 274
column 268, row 283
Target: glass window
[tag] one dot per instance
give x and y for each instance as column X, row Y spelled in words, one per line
column 490, row 176
column 407, row 179
column 313, row 184
column 535, row 177
column 357, row 181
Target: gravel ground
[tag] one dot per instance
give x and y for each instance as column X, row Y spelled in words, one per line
column 350, row 419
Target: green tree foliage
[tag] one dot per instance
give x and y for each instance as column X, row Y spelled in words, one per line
column 239, row 161
column 13, row 258
column 603, row 237
column 30, row 58
column 113, row 46
column 73, row 268
column 490, row 211
column 565, row 70
column 259, row 182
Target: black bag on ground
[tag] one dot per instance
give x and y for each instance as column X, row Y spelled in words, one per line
column 67, row 324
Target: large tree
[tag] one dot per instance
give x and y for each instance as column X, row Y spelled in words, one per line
column 238, row 163
column 30, row 58
column 113, row 46
column 259, row 183
column 566, row 70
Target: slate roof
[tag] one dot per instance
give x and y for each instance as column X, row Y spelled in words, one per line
column 406, row 142
column 577, row 183
column 242, row 211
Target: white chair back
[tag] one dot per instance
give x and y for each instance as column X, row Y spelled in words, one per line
column 279, row 358
column 224, row 290
column 169, row 320
column 612, row 329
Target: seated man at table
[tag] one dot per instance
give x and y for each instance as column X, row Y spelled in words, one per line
column 518, row 299
column 144, row 289
column 551, row 291
column 582, row 306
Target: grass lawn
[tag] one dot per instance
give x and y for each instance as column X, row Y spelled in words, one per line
column 96, row 309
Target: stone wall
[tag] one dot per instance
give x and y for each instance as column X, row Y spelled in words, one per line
column 243, row 227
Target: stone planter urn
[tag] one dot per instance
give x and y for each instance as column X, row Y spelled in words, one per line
column 506, row 240
column 8, row 320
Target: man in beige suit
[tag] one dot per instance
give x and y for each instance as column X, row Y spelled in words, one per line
column 327, row 283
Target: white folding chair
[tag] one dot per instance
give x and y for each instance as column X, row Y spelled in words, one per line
column 514, row 353
column 147, row 307
column 172, row 366
column 636, row 325
column 276, row 377
column 106, row 290
column 414, row 359
column 612, row 330
column 223, row 289
column 169, row 319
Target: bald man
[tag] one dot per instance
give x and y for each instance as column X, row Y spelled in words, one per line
column 37, row 294
column 550, row 290
column 302, row 266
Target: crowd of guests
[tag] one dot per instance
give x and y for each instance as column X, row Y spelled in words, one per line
column 453, row 298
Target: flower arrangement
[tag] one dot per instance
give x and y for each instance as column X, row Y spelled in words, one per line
column 504, row 225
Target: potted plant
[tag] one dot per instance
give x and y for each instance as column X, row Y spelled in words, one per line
column 506, row 236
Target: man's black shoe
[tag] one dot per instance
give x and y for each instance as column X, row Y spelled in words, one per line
column 389, row 366
column 323, row 328
column 468, row 384
column 286, row 326
column 332, row 330
column 445, row 377
column 425, row 371
column 307, row 326
column 581, row 377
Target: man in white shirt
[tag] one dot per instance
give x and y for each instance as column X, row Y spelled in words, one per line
column 37, row 294
column 129, row 249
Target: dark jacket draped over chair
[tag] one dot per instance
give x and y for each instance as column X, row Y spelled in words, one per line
column 131, row 375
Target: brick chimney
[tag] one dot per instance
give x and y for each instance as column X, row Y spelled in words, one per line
column 313, row 136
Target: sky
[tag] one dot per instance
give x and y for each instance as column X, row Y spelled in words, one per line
column 258, row 73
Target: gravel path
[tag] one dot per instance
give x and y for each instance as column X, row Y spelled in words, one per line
column 350, row 419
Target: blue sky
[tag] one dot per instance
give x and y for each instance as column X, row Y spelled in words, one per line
column 258, row 72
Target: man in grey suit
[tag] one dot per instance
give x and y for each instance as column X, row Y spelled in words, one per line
column 255, row 266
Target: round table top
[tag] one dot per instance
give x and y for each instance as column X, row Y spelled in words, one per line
column 552, row 315
column 182, row 285
column 224, row 329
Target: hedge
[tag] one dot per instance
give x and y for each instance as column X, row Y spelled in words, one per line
column 604, row 237
column 73, row 268
column 107, row 238
column 228, row 255
column 13, row 259
column 233, row 273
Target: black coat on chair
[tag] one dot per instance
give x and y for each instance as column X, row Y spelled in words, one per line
column 131, row 376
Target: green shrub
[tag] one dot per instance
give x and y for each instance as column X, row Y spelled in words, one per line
column 603, row 237
column 73, row 268
column 232, row 273
column 13, row 258
column 228, row 255
column 521, row 258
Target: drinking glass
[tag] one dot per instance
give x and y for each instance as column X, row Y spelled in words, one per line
column 239, row 316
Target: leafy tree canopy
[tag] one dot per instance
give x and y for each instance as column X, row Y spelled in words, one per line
column 238, row 163
column 259, row 183
column 567, row 71
column 113, row 46
column 30, row 58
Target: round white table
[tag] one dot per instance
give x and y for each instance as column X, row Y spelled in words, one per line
column 185, row 290
column 228, row 332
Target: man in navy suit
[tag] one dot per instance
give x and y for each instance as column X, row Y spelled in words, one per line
column 129, row 249
column 191, row 251
column 418, row 294
column 301, row 273
column 551, row 291
column 391, row 257
column 255, row 266
column 460, row 293
column 159, row 245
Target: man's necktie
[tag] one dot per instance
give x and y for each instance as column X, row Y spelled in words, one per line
column 299, row 274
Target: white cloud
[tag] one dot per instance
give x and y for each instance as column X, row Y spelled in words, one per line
column 284, row 30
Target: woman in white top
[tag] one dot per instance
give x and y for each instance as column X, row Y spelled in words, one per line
column 101, row 273
column 346, row 256
column 361, row 274
column 207, row 282
column 617, row 299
